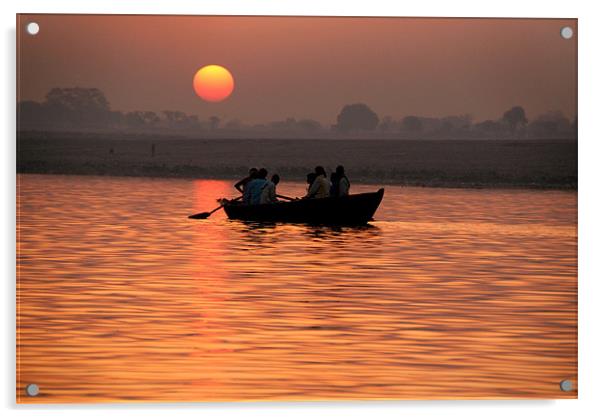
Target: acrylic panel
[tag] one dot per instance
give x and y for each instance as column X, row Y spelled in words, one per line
column 409, row 230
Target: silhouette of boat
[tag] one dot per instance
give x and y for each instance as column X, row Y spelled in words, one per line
column 356, row 209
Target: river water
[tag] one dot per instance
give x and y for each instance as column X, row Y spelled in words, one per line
column 449, row 294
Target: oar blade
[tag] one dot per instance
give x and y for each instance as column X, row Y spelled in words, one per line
column 202, row 215
column 205, row 215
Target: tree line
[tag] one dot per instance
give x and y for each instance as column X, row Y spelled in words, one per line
column 88, row 109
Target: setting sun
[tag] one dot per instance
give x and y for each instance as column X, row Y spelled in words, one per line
column 213, row 83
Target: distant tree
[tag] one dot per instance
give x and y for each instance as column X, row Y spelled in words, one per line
column 515, row 118
column 293, row 126
column 181, row 121
column 412, row 124
column 193, row 123
column 140, row 119
column 386, row 124
column 281, row 125
column 116, row 119
column 78, row 107
column 133, row 119
column 445, row 127
column 30, row 115
column 214, row 122
column 550, row 125
column 151, row 118
column 574, row 126
column 458, row 122
column 233, row 124
column 489, row 128
column 356, row 116
column 173, row 117
column 309, row 125
column 77, row 98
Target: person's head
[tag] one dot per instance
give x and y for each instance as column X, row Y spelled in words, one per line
column 252, row 171
column 275, row 179
column 340, row 170
column 311, row 177
column 262, row 173
column 320, row 171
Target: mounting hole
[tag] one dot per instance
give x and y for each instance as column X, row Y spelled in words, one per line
column 566, row 385
column 32, row 389
column 32, row 28
column 566, row 32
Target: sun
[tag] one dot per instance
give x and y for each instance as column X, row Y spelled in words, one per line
column 213, row 83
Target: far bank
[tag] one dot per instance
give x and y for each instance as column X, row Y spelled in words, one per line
column 548, row 164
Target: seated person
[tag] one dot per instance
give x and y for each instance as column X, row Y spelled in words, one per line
column 320, row 188
column 343, row 184
column 311, row 177
column 240, row 185
column 268, row 194
column 253, row 189
column 334, row 184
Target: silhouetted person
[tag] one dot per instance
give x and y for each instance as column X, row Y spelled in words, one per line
column 111, row 151
column 253, row 189
column 320, row 188
column 153, row 150
column 240, row 185
column 343, row 184
column 268, row 194
column 310, row 179
column 334, row 184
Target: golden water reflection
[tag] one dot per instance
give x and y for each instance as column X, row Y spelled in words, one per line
column 450, row 294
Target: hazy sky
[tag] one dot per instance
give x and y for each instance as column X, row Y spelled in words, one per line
column 306, row 67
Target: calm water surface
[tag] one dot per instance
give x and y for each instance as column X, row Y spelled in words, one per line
column 450, row 293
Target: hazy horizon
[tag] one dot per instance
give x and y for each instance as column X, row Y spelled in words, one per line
column 306, row 67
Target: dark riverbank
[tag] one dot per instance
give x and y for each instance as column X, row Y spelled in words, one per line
column 548, row 164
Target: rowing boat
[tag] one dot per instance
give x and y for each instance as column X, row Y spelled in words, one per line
column 356, row 209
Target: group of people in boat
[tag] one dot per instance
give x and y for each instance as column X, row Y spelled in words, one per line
column 256, row 189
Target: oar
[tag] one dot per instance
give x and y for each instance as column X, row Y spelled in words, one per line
column 285, row 197
column 205, row 215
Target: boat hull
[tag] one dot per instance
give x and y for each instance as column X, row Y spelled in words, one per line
column 357, row 209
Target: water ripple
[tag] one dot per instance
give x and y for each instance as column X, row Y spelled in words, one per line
column 450, row 294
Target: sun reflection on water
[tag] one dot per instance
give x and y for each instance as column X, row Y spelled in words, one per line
column 451, row 294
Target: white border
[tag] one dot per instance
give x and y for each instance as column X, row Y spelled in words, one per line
column 590, row 207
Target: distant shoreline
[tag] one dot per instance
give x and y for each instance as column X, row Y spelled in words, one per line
column 183, row 136
column 489, row 164
column 362, row 181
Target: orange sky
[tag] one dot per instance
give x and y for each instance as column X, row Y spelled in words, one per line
column 306, row 67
